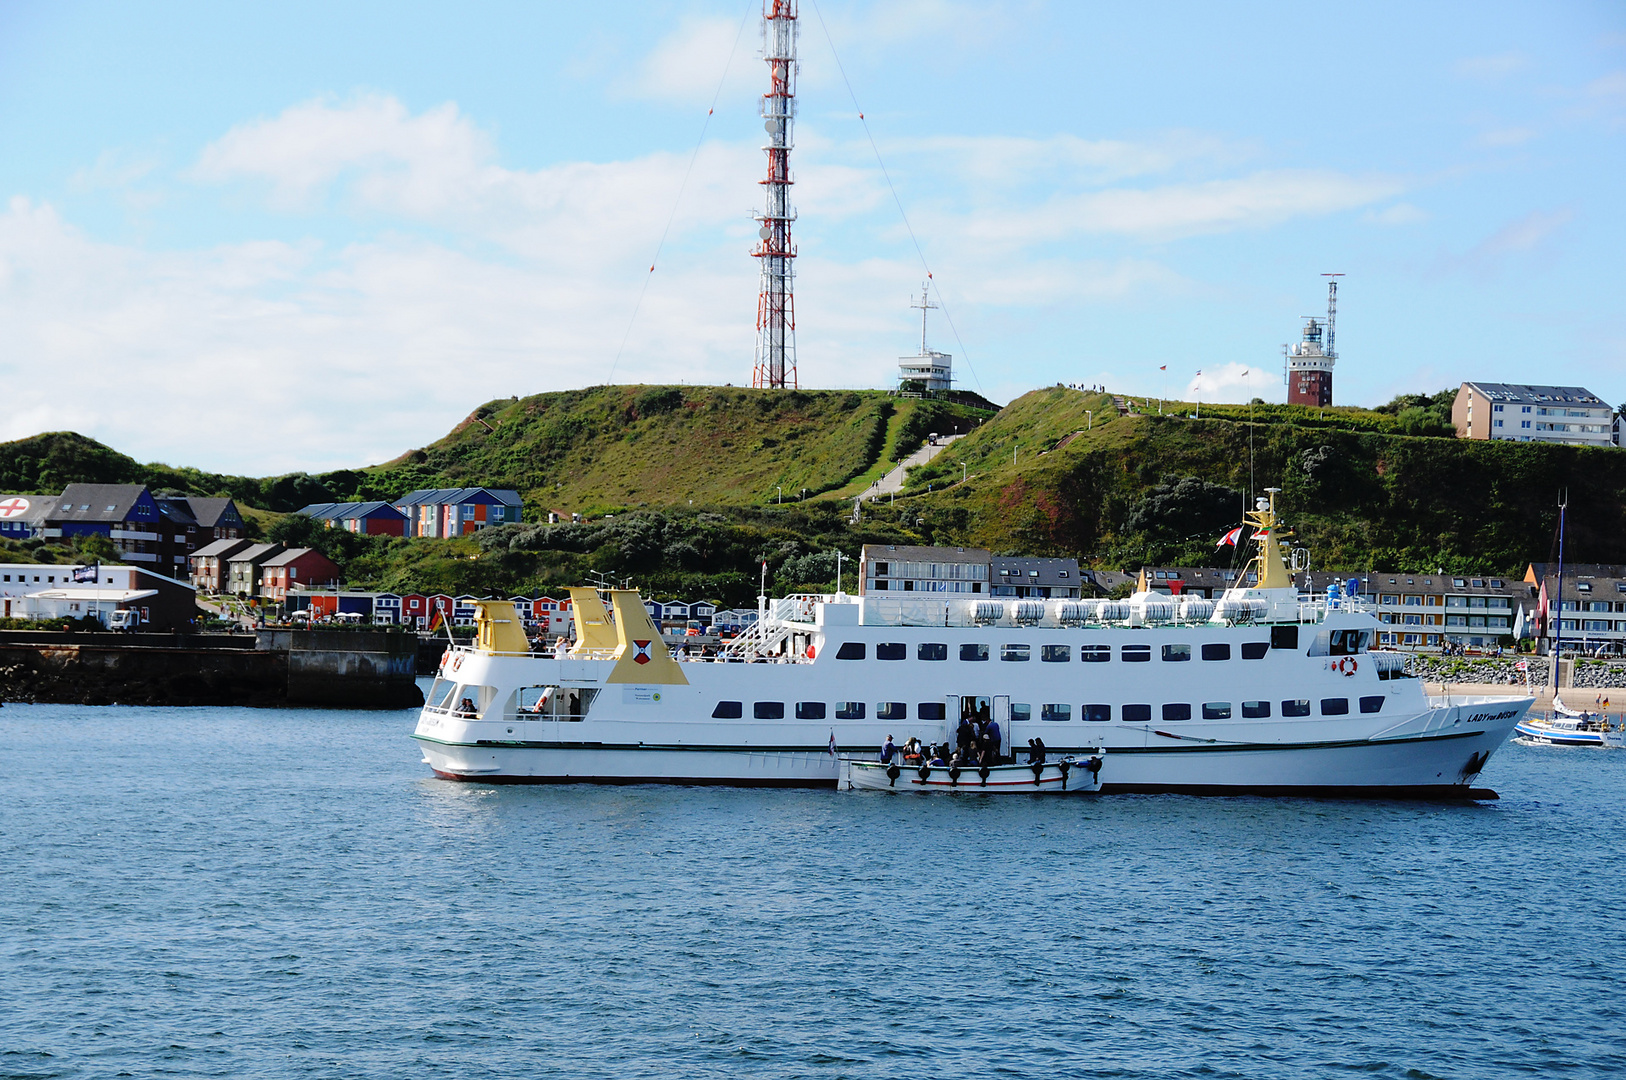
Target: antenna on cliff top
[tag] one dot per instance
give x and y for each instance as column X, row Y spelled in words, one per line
column 1332, row 312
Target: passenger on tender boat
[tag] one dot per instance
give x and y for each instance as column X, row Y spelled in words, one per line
column 887, row 750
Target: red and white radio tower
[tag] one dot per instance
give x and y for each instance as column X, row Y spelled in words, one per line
column 776, row 309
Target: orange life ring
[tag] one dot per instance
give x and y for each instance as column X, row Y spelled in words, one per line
column 1348, row 665
column 457, row 661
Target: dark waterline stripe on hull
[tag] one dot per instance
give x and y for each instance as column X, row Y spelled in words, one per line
column 1432, row 793
column 1181, row 748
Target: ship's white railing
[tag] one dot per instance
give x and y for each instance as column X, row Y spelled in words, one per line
column 783, row 616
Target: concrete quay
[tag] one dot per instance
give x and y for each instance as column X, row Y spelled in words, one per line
column 335, row 669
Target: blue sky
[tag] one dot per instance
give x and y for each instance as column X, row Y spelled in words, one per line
column 312, row 236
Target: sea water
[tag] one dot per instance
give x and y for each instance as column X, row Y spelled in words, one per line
column 248, row 893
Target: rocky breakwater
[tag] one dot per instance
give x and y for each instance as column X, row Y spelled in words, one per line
column 1578, row 673
column 350, row 669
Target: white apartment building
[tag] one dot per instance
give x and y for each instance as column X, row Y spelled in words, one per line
column 1518, row 413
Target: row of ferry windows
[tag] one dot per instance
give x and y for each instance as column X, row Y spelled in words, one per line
column 1059, row 712
column 1051, row 654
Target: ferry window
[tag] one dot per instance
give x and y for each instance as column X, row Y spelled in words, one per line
column 1254, row 710
column 1016, row 653
column 1372, row 704
column 1255, row 650
column 1177, row 652
column 1137, row 714
column 1179, row 711
column 930, row 710
column 891, row 650
column 1021, row 712
column 728, row 710
column 891, row 710
column 768, row 710
column 1284, row 637
column 1055, row 712
column 849, row 710
column 1300, row 707
column 973, row 652
column 1216, row 710
column 932, row 650
column 1344, row 643
column 1095, row 654
column 440, row 694
column 850, row 650
column 1055, row 654
column 810, row 710
column 1097, row 714
column 1334, row 706
column 1137, row 654
column 1216, row 650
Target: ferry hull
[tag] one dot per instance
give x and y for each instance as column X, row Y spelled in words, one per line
column 1438, row 754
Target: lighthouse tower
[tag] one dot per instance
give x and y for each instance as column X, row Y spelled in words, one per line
column 1310, row 362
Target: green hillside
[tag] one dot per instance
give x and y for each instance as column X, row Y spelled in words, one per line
column 691, row 475
column 587, row 451
column 1150, row 488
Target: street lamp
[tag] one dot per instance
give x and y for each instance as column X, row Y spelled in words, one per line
column 962, row 472
column 1089, row 420
column 781, row 496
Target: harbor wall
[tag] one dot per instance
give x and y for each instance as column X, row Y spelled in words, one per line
column 276, row 668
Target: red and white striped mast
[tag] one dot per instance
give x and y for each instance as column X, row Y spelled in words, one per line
column 776, row 309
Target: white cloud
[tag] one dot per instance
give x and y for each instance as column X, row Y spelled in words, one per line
column 1234, row 383
column 689, row 63
column 1398, row 214
column 1498, row 66
column 1178, row 210
column 1515, row 136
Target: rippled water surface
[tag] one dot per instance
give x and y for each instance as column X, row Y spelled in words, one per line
column 234, row 892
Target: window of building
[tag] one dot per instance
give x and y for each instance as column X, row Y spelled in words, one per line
column 1458, row 582
column 1055, row 654
column 1177, row 711
column 932, row 650
column 930, row 710
column 1216, row 650
column 1414, row 601
column 1095, row 654
column 1097, row 714
column 728, row 710
column 768, row 710
column 1137, row 654
column 973, row 652
column 1137, row 714
column 1297, row 707
column 1334, row 706
column 1018, row 654
column 1216, row 710
column 890, row 650
column 1254, row 710
column 1055, row 712
column 1177, row 653
column 851, row 650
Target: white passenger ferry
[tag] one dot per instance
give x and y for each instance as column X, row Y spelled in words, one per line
column 1262, row 691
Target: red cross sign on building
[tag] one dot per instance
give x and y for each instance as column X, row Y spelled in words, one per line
column 13, row 507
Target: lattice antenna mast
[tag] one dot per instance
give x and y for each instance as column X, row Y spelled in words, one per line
column 776, row 309
column 1332, row 312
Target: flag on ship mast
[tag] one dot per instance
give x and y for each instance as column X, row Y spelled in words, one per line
column 1231, row 538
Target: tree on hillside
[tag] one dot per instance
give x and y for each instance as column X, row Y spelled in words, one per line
column 1184, row 506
